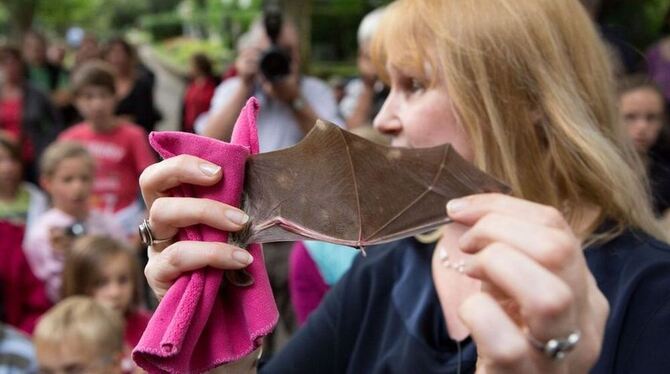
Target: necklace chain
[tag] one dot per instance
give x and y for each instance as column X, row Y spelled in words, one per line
column 458, row 266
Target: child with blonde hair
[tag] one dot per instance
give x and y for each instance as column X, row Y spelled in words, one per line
column 108, row 271
column 66, row 173
column 79, row 335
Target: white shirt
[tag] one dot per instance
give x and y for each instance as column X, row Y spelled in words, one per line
column 277, row 126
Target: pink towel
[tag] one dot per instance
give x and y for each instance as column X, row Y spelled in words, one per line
column 196, row 326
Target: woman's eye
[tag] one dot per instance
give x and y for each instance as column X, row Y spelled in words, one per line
column 416, row 85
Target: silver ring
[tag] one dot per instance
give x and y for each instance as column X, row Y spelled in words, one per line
column 558, row 348
column 147, row 236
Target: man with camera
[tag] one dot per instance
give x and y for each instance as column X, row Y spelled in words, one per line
column 268, row 68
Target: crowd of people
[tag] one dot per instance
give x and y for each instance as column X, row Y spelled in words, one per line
column 528, row 91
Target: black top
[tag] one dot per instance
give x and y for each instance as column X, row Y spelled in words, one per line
column 139, row 103
column 384, row 315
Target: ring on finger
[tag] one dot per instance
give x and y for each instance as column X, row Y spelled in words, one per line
column 147, row 236
column 556, row 348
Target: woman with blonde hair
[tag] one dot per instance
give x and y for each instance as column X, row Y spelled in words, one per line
column 519, row 284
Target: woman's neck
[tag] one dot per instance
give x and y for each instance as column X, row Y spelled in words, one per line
column 11, row 89
column 105, row 125
column 200, row 79
column 125, row 72
column 77, row 215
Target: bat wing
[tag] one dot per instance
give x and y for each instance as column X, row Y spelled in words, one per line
column 337, row 187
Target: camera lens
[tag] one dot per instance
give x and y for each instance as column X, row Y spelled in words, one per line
column 76, row 229
column 275, row 64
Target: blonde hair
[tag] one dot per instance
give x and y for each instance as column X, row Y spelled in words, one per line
column 62, row 150
column 87, row 258
column 84, row 322
column 532, row 86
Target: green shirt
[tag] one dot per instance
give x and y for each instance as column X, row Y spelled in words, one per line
column 16, row 211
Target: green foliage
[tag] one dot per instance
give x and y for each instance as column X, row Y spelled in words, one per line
column 639, row 21
column 328, row 69
column 177, row 52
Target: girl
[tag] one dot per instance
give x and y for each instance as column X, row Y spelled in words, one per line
column 524, row 90
column 108, row 271
column 642, row 109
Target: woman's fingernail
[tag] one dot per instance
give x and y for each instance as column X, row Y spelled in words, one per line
column 456, row 205
column 210, row 169
column 243, row 257
column 237, row 216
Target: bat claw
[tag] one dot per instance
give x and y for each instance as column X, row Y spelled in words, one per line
column 239, row 278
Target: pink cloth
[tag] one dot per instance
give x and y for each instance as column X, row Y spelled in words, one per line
column 197, row 326
column 305, row 282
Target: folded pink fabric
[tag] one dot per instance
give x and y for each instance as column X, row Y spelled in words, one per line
column 203, row 322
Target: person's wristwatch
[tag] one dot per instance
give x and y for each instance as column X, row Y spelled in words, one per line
column 298, row 103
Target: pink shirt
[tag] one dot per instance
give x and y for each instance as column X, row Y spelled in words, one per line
column 121, row 155
column 48, row 264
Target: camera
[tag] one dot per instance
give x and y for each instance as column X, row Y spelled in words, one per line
column 275, row 62
column 76, row 229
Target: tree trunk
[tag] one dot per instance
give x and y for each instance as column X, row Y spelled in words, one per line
column 301, row 12
column 21, row 17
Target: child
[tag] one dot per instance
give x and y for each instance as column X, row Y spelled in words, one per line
column 120, row 148
column 20, row 202
column 642, row 109
column 108, row 271
column 67, row 175
column 79, row 335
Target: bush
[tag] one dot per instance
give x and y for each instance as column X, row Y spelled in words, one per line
column 177, row 52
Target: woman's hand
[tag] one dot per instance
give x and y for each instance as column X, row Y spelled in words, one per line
column 167, row 261
column 535, row 283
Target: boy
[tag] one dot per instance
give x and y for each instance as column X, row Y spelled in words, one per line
column 66, row 173
column 120, row 148
column 79, row 335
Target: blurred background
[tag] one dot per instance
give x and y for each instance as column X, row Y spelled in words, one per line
column 168, row 32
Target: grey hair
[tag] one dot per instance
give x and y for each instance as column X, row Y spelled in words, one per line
column 369, row 25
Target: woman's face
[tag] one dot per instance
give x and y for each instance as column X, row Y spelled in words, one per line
column 642, row 112
column 117, row 56
column 417, row 115
column 12, row 68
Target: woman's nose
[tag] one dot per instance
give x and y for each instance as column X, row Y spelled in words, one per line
column 386, row 121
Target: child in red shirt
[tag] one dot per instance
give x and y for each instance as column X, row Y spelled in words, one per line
column 120, row 148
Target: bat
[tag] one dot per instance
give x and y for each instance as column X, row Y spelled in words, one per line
column 337, row 187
